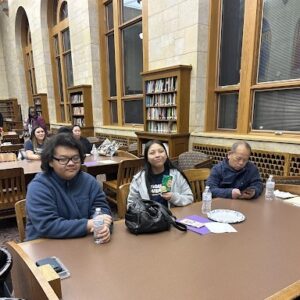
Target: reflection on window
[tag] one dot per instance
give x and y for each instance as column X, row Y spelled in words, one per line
column 133, row 110
column 114, row 112
column 227, row 115
column 231, row 41
column 112, row 65
column 66, row 40
column 282, row 21
column 63, row 11
column 133, row 59
column 59, row 77
column 277, row 110
column 131, row 9
column 266, row 38
column 69, row 69
column 109, row 16
column 295, row 73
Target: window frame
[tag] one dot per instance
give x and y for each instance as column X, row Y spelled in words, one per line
column 248, row 75
column 116, row 30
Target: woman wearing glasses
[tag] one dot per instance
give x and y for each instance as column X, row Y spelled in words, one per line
column 61, row 201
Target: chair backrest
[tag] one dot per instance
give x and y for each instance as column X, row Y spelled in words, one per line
column 12, row 189
column 292, row 188
column 197, row 179
column 7, row 157
column 127, row 169
column 292, row 292
column 20, row 208
column 28, row 280
column 287, row 179
column 194, row 160
column 14, row 148
column 122, row 195
column 123, row 153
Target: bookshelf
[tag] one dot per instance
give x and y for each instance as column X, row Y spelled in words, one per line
column 166, row 108
column 81, row 108
column 11, row 112
column 41, row 106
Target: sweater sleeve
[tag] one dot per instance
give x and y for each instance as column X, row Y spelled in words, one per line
column 214, row 181
column 255, row 181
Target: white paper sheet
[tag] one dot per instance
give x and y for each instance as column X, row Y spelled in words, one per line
column 217, row 227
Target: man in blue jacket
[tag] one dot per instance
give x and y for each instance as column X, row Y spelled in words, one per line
column 61, row 201
column 235, row 177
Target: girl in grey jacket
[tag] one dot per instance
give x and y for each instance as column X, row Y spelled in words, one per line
column 147, row 183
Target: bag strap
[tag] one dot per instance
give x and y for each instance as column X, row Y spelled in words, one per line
column 167, row 213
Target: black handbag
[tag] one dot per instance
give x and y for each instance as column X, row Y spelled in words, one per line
column 146, row 216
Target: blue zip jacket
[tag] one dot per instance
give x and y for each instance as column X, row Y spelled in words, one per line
column 59, row 208
column 223, row 179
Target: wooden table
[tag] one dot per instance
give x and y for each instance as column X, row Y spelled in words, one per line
column 260, row 259
column 103, row 165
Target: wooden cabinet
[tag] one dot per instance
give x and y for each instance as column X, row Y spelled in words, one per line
column 41, row 106
column 11, row 112
column 166, row 108
column 81, row 108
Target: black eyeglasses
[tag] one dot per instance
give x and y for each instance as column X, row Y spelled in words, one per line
column 65, row 160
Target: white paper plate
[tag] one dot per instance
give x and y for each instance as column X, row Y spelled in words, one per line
column 226, row 216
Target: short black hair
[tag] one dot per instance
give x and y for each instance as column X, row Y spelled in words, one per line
column 64, row 129
column 61, row 139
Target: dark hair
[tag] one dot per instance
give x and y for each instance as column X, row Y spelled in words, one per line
column 167, row 165
column 61, row 139
column 33, row 137
column 76, row 126
column 35, row 112
column 244, row 143
column 64, row 129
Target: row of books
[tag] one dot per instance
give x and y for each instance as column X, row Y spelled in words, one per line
column 162, row 127
column 78, row 110
column 76, row 98
column 79, row 121
column 161, row 85
column 161, row 100
column 161, row 113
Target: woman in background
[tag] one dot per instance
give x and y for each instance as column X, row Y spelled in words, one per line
column 34, row 146
column 87, row 147
column 147, row 184
column 34, row 120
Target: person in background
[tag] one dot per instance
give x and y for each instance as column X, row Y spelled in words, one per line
column 1, row 120
column 34, row 120
column 147, row 184
column 64, row 129
column 87, row 147
column 61, row 201
column 35, row 145
column 235, row 177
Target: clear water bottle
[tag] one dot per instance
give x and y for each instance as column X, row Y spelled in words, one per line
column 206, row 200
column 98, row 220
column 94, row 152
column 270, row 186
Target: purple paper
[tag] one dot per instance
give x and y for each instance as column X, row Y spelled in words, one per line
column 91, row 163
column 202, row 230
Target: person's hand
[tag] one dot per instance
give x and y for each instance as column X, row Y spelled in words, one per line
column 167, row 196
column 90, row 225
column 104, row 234
column 247, row 194
column 107, row 220
column 235, row 193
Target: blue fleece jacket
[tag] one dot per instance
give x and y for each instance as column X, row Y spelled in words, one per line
column 59, row 208
column 223, row 179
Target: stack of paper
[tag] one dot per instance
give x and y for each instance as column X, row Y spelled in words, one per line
column 283, row 195
column 294, row 201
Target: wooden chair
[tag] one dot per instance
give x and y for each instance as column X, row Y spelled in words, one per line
column 122, row 195
column 287, row 179
column 292, row 188
column 20, row 208
column 28, row 280
column 7, row 157
column 193, row 160
column 14, row 148
column 123, row 153
column 126, row 170
column 292, row 292
column 12, row 189
column 197, row 179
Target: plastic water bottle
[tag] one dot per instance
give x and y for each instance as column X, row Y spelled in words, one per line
column 270, row 185
column 206, row 200
column 98, row 220
column 94, row 152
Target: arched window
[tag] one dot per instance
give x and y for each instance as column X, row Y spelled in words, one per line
column 28, row 59
column 61, row 57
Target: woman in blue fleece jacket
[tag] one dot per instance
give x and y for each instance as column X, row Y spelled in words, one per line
column 60, row 201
